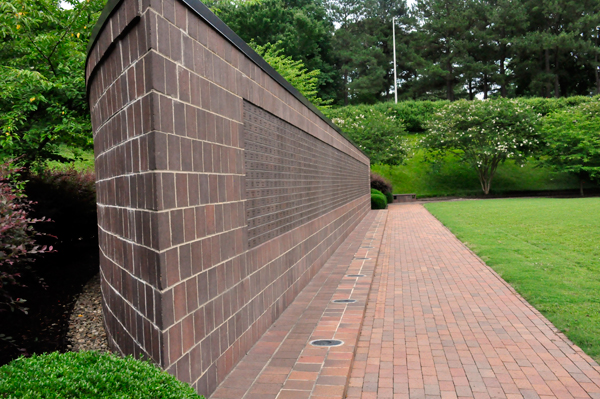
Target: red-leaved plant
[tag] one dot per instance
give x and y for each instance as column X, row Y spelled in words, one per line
column 17, row 242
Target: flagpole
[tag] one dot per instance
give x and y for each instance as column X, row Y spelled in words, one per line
column 395, row 78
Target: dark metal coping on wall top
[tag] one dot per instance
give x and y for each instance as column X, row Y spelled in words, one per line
column 207, row 15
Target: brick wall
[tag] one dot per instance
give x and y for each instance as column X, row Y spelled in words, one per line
column 220, row 192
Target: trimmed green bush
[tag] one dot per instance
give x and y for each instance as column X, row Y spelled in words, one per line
column 378, row 200
column 383, row 185
column 389, row 197
column 88, row 375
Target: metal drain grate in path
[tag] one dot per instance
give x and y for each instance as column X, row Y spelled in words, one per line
column 327, row 342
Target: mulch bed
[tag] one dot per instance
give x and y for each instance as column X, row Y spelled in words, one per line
column 86, row 324
column 45, row 327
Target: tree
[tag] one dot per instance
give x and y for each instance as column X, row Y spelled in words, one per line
column 483, row 134
column 555, row 57
column 497, row 26
column 301, row 27
column 294, row 72
column 442, row 37
column 363, row 47
column 573, row 141
column 43, row 102
column 379, row 134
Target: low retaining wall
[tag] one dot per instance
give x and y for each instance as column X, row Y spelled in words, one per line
column 221, row 190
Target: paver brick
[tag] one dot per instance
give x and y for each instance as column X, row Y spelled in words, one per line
column 438, row 323
column 457, row 329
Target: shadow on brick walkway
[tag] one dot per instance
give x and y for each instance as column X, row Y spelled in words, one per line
column 431, row 321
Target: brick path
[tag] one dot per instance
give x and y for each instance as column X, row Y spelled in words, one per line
column 283, row 364
column 441, row 324
column 438, row 323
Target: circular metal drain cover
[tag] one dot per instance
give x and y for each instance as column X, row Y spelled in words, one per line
column 362, row 258
column 344, row 301
column 327, row 342
column 355, row 275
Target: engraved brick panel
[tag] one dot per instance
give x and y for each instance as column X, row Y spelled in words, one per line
column 292, row 177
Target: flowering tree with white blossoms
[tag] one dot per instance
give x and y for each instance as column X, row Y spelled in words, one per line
column 484, row 134
column 379, row 135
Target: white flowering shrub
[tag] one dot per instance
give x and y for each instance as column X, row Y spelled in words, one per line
column 484, row 134
column 379, row 135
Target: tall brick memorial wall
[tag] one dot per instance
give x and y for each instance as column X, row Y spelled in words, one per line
column 221, row 190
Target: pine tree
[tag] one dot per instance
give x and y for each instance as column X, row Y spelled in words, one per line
column 363, row 47
column 442, row 37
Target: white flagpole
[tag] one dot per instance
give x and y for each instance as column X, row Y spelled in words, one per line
column 395, row 78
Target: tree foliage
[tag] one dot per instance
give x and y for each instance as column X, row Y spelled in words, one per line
column 307, row 82
column 380, row 136
column 362, row 47
column 484, row 134
column 572, row 137
column 43, row 100
column 17, row 238
column 301, row 28
column 455, row 49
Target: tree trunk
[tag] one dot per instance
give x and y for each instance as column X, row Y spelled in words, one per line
column 503, row 91
column 556, row 81
column 485, row 86
column 547, row 56
column 485, row 180
column 581, row 181
column 450, row 82
column 597, row 75
column 597, row 66
column 345, row 88
column 471, row 94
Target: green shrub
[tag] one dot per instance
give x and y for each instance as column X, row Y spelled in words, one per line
column 18, row 243
column 380, row 183
column 68, row 197
column 412, row 114
column 545, row 106
column 389, row 197
column 378, row 200
column 572, row 141
column 88, row 375
column 415, row 114
column 378, row 134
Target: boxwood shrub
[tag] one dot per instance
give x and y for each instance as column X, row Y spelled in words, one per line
column 378, row 200
column 389, row 197
column 88, row 375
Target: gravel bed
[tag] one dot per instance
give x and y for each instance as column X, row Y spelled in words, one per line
column 86, row 325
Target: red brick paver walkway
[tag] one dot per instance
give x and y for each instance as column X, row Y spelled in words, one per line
column 441, row 324
column 431, row 321
column 283, row 364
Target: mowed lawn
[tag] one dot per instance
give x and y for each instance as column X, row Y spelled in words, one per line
column 547, row 249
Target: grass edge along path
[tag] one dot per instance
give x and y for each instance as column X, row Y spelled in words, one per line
column 547, row 249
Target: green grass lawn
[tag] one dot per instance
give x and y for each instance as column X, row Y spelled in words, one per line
column 453, row 178
column 547, row 249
